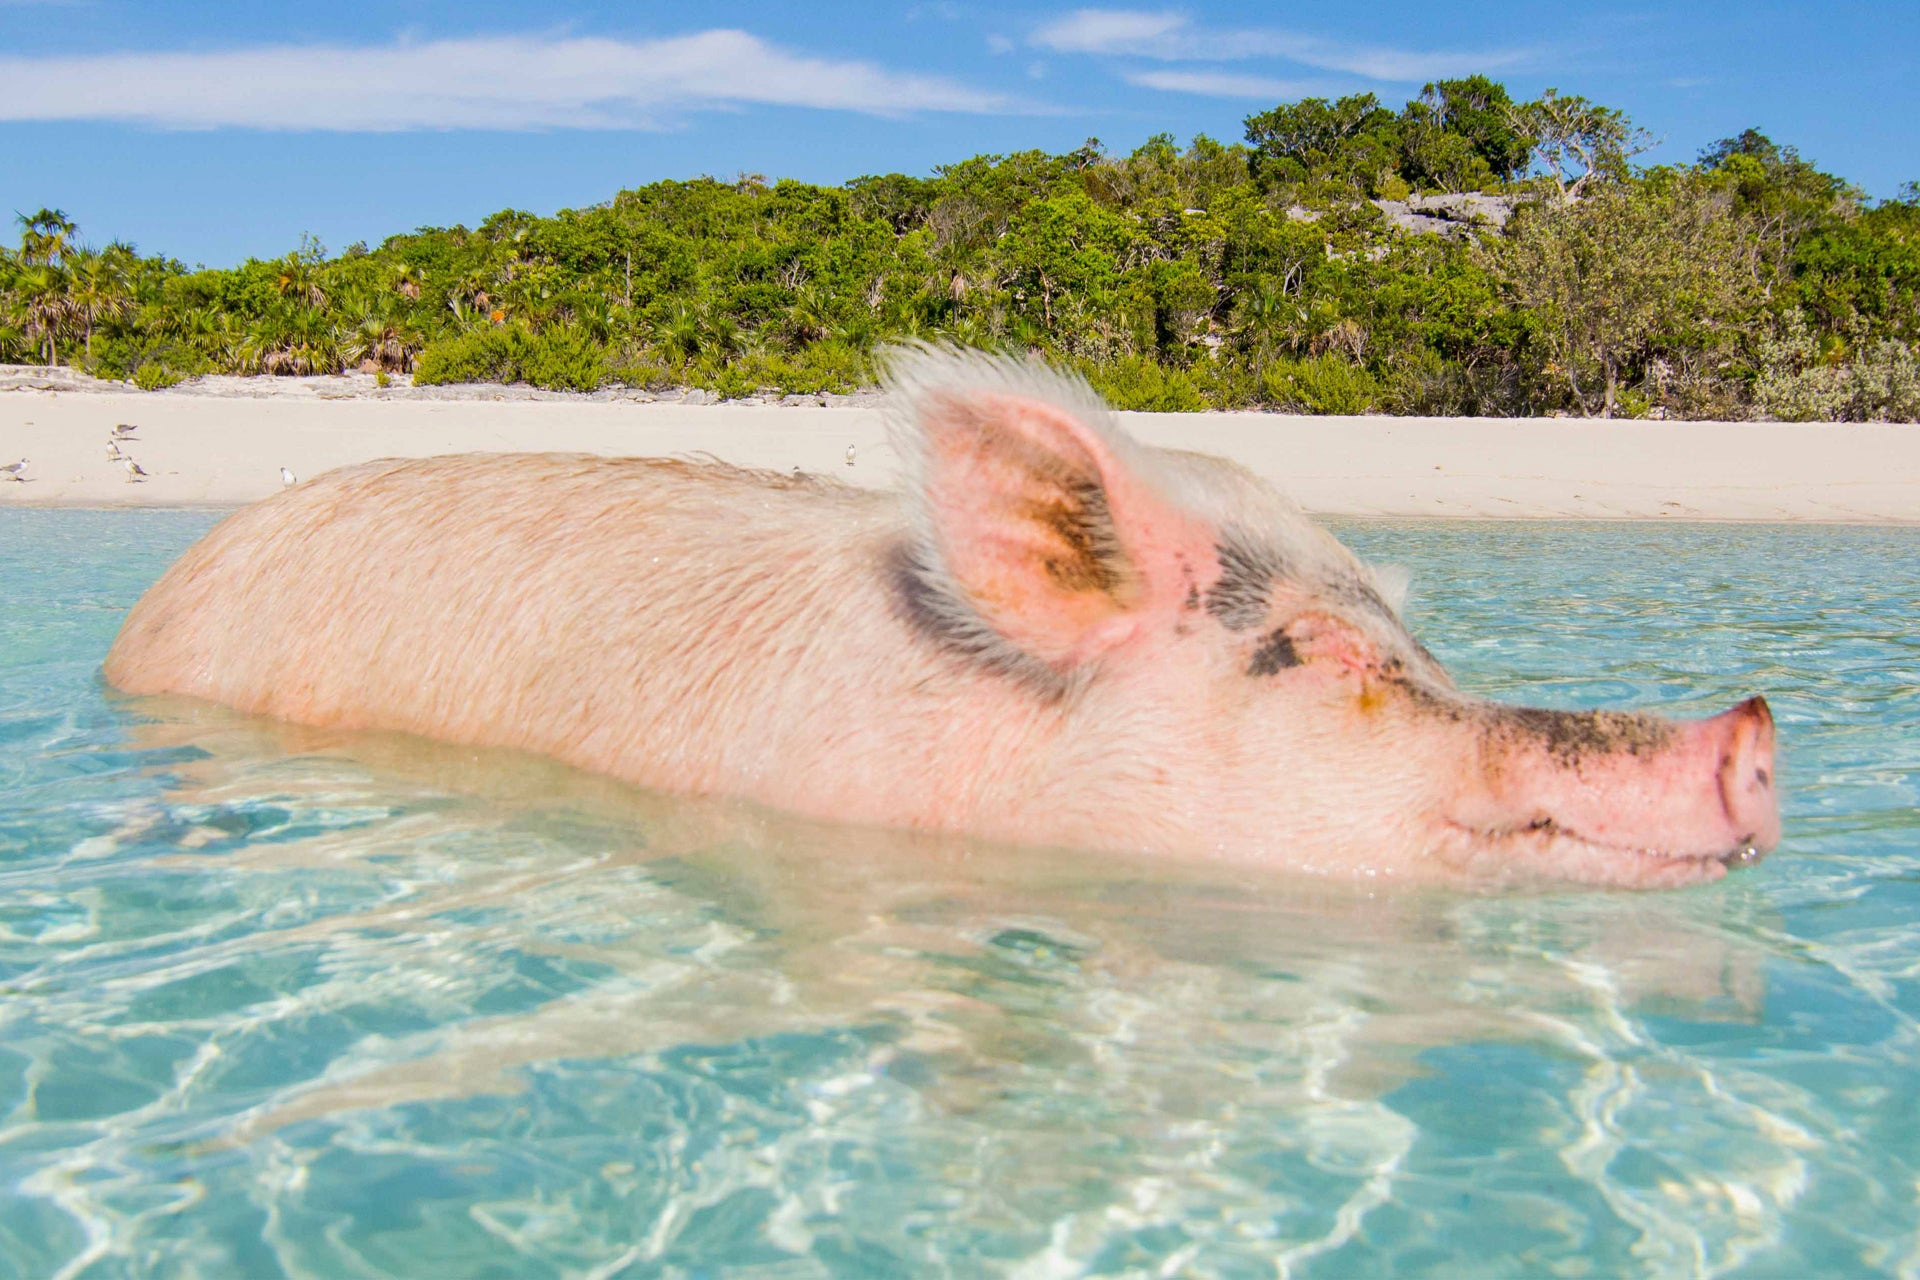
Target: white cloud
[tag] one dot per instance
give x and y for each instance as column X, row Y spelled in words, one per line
column 1225, row 84
column 1172, row 37
column 496, row 82
column 1106, row 30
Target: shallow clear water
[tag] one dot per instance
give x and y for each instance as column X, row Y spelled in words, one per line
column 277, row 1002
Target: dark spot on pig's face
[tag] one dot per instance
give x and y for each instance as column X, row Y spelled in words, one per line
column 1276, row 653
column 1242, row 594
column 1573, row 736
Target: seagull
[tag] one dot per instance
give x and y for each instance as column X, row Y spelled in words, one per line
column 287, row 478
column 849, row 455
column 124, row 430
column 113, row 450
column 12, row 470
column 134, row 474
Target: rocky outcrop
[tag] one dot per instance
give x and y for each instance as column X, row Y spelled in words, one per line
column 1459, row 215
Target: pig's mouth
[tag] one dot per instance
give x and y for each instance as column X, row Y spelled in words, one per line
column 1545, row 850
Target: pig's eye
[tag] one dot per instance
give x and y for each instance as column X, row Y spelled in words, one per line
column 1317, row 638
column 1276, row 653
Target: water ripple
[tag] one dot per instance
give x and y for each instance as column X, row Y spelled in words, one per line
column 282, row 1003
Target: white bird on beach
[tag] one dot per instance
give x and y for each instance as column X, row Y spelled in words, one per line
column 113, row 450
column 124, row 430
column 849, row 455
column 134, row 474
column 287, row 478
column 12, row 470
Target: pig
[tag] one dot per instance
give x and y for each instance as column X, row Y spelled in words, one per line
column 1048, row 634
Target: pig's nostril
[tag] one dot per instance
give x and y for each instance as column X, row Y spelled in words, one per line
column 1746, row 774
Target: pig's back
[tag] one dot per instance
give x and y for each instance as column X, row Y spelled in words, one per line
column 568, row 604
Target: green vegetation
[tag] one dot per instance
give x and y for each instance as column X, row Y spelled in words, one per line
column 1281, row 273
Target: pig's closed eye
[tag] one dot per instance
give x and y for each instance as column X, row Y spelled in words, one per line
column 1276, row 653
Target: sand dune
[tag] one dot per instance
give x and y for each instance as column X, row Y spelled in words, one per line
column 224, row 441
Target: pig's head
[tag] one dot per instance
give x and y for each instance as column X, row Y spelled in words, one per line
column 1228, row 678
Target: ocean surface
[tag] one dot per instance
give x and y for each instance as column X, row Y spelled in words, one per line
column 275, row 1002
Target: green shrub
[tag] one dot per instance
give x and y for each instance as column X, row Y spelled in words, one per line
column 1226, row 382
column 643, row 370
column 154, row 376
column 820, row 366
column 1866, row 380
column 727, row 380
column 146, row 362
column 561, row 360
column 1423, row 383
column 481, row 356
column 558, row 359
column 1327, row 384
column 828, row 366
column 1141, row 382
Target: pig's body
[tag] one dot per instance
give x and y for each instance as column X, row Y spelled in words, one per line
column 682, row 626
column 1051, row 636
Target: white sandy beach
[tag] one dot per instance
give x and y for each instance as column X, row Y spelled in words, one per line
column 223, row 442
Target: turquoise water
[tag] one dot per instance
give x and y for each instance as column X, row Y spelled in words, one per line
column 278, row 1002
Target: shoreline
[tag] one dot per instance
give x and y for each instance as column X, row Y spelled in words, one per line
column 213, row 445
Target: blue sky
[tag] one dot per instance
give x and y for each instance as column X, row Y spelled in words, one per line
column 211, row 130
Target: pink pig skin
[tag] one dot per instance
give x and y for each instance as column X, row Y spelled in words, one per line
column 1051, row 635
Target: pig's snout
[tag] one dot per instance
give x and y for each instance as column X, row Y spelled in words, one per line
column 1628, row 799
column 1746, row 773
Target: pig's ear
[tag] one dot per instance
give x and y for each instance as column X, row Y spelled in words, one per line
column 1041, row 536
column 1392, row 582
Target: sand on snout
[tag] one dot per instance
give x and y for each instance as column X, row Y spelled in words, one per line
column 224, row 442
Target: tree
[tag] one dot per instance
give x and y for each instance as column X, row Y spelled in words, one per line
column 1457, row 122
column 100, row 289
column 44, row 237
column 45, row 311
column 1786, row 196
column 1352, row 137
column 1632, row 269
column 1434, row 157
column 1575, row 141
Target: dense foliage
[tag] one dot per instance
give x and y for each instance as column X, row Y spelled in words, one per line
column 1278, row 273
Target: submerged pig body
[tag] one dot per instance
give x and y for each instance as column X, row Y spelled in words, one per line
column 1050, row 635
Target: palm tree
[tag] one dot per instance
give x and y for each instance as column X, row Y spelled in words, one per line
column 45, row 311
column 681, row 337
column 1258, row 312
column 298, row 279
column 99, row 290
column 299, row 341
column 377, row 341
column 472, row 290
column 809, row 319
column 44, row 236
column 237, row 348
column 408, row 280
